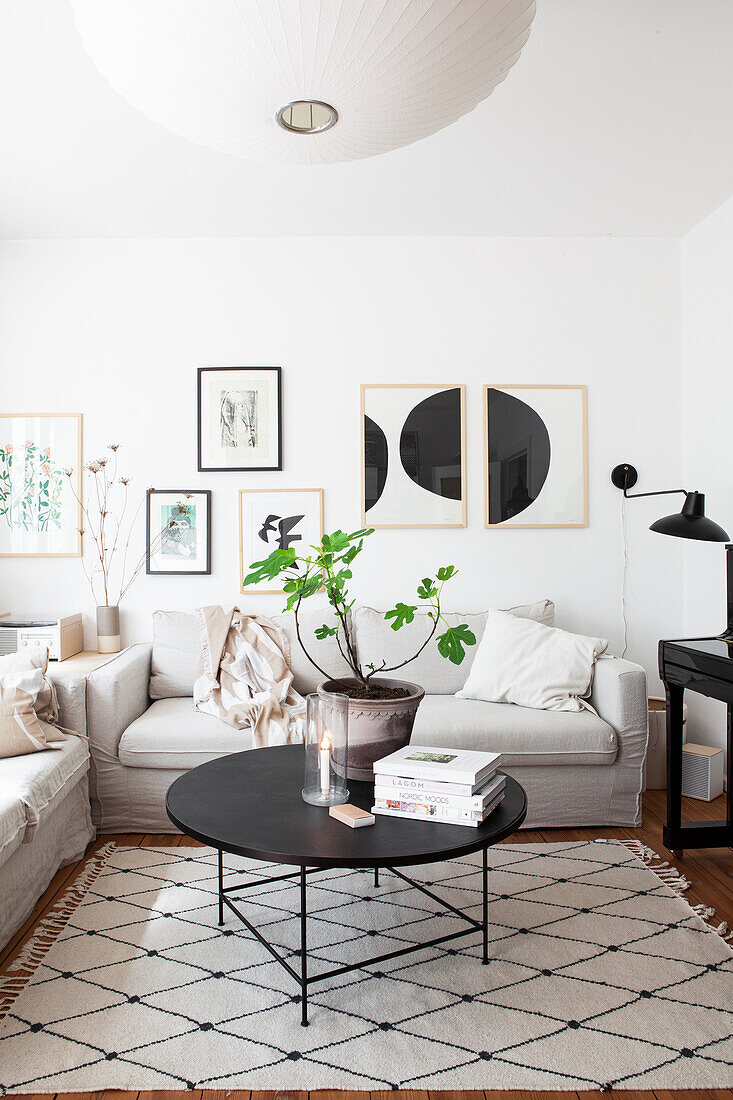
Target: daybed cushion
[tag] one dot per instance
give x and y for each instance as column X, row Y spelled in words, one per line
column 12, row 819
column 173, row 734
column 43, row 779
column 177, row 647
column 522, row 736
column 376, row 641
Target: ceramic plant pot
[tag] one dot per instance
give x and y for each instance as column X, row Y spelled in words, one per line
column 108, row 629
column 377, row 727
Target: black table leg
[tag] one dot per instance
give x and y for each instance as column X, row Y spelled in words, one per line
column 376, row 876
column 221, row 887
column 303, row 953
column 485, row 900
column 675, row 717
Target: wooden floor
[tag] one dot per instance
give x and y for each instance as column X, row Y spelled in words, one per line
column 709, row 871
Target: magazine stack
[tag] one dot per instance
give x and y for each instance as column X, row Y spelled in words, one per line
column 453, row 786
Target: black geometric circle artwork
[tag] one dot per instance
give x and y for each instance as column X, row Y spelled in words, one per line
column 430, row 444
column 519, row 455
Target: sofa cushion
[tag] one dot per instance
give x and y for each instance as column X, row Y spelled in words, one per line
column 175, row 656
column 173, row 734
column 13, row 821
column 522, row 736
column 376, row 641
column 43, row 779
column 177, row 648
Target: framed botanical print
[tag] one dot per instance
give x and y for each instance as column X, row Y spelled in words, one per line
column 413, row 456
column 40, row 485
column 535, row 456
column 276, row 519
column 239, row 418
column 178, row 532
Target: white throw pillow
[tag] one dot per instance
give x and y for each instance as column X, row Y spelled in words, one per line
column 524, row 662
column 27, row 669
column 376, row 641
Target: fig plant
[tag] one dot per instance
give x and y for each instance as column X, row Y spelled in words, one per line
column 328, row 567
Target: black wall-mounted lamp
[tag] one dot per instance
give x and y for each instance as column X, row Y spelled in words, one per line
column 690, row 523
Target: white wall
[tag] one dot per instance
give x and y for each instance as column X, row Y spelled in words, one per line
column 116, row 330
column 707, row 270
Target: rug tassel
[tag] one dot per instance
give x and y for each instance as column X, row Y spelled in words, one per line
column 47, row 930
column 672, row 878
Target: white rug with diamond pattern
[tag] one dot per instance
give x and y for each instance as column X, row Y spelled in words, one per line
column 601, row 974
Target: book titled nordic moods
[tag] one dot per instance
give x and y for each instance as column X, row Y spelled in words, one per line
column 446, row 815
column 476, row 803
column 466, row 766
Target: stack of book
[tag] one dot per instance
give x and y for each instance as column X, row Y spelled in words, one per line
column 453, row 786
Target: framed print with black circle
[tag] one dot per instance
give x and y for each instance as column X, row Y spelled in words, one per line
column 178, row 532
column 239, row 418
column 413, row 456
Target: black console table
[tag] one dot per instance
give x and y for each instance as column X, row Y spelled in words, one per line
column 704, row 665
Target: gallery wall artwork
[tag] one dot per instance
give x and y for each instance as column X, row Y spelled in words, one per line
column 276, row 519
column 178, row 532
column 40, row 467
column 535, row 455
column 413, row 456
column 239, row 418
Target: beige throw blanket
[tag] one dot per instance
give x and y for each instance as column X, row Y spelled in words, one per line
column 244, row 676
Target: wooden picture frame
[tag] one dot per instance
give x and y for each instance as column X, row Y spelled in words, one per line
column 582, row 427
column 48, row 483
column 278, row 495
column 250, row 433
column 431, row 388
column 177, row 494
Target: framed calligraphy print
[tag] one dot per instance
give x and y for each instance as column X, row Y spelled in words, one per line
column 277, row 519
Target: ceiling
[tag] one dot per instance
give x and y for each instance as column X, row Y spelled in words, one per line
column 615, row 121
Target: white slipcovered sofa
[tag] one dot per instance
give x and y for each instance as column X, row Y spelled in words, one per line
column 45, row 820
column 577, row 768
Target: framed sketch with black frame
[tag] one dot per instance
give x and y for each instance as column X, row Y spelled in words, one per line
column 178, row 532
column 239, row 418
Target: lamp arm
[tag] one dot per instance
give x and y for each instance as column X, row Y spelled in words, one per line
column 658, row 493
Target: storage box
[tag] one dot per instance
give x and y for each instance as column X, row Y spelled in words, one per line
column 656, row 753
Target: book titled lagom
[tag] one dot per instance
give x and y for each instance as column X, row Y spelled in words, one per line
column 466, row 766
column 474, row 803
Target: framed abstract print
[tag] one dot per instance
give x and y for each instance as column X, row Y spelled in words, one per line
column 413, row 456
column 40, row 485
column 276, row 519
column 178, row 532
column 239, row 418
column 535, row 456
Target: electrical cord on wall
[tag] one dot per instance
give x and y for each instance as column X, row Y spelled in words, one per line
column 625, row 544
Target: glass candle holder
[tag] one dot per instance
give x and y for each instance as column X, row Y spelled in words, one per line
column 326, row 749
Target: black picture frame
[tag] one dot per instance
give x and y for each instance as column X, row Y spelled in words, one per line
column 202, row 371
column 178, row 572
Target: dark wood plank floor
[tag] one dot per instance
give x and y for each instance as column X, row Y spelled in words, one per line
column 710, row 873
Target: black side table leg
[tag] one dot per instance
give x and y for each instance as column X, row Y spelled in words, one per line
column 485, row 900
column 376, row 876
column 221, row 887
column 303, row 953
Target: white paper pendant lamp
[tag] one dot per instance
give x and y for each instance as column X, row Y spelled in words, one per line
column 249, row 76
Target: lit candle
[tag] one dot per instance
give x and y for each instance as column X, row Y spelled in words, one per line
column 325, row 755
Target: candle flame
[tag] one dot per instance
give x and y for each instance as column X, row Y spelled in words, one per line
column 326, row 740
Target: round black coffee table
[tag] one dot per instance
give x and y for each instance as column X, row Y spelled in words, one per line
column 250, row 804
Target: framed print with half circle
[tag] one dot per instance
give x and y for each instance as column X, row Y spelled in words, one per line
column 536, row 456
column 413, row 456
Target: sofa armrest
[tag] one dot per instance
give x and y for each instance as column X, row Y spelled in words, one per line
column 71, row 693
column 619, row 695
column 117, row 694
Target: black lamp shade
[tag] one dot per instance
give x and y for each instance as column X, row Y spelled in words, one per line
column 691, row 522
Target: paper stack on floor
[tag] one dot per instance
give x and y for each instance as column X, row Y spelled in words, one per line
column 453, row 786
